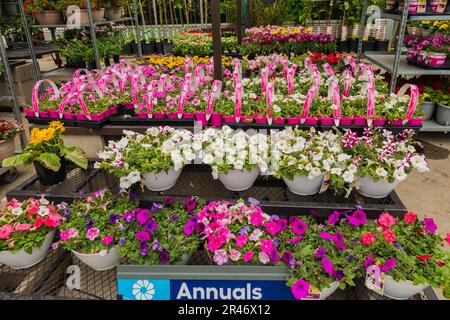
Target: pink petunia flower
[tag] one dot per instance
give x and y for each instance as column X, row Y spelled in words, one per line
column 234, row 255
column 220, row 257
column 22, row 227
column 385, row 220
column 92, row 233
column 248, row 256
column 264, row 258
column 107, row 240
column 6, row 231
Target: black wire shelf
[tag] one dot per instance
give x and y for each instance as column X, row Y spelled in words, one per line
column 197, row 180
column 50, row 280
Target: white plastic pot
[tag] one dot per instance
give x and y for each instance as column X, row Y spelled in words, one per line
column 184, row 259
column 401, row 290
column 22, row 260
column 325, row 293
column 303, row 186
column 372, row 189
column 99, row 262
column 162, row 180
column 237, row 180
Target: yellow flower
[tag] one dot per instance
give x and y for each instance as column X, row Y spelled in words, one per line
column 57, row 126
column 425, row 22
column 41, row 135
column 444, row 26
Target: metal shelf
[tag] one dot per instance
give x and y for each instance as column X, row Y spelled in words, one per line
column 197, row 180
column 433, row 126
column 101, row 23
column 386, row 61
column 433, row 17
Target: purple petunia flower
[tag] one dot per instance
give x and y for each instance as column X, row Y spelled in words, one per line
column 156, row 245
column 143, row 248
column 398, row 246
column 389, row 265
column 122, row 240
column 281, row 224
column 274, row 256
column 173, row 217
column 168, row 201
column 164, row 256
column 113, row 218
column 320, row 253
column 253, row 201
column 368, row 262
column 244, row 230
column 156, row 206
column 287, row 257
column 199, row 228
column 339, row 275
column 129, row 216
column 150, row 226
column 89, row 224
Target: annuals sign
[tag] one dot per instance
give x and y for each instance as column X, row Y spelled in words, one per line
column 195, row 282
column 157, row 289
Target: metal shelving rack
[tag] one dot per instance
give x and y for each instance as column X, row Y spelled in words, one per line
column 395, row 62
column 91, row 26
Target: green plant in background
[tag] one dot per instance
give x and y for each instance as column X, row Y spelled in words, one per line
column 274, row 13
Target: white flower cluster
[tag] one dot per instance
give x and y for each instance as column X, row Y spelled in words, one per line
column 310, row 153
column 225, row 149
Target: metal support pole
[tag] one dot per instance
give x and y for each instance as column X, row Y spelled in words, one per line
column 138, row 29
column 217, row 44
column 200, row 4
column 26, row 27
column 362, row 29
column 239, row 21
column 398, row 47
column 10, row 82
column 93, row 36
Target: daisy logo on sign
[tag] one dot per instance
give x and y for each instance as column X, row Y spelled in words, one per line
column 143, row 290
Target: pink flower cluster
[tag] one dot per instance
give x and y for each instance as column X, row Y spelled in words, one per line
column 28, row 216
column 240, row 232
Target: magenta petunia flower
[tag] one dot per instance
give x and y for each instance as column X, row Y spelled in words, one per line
column 430, row 225
column 334, row 217
column 267, row 246
column 327, row 266
column 142, row 236
column 320, row 253
column 358, row 218
column 389, row 265
column 287, row 257
column 92, row 233
column 299, row 227
column 300, row 289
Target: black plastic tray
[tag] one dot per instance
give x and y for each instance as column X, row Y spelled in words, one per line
column 197, row 180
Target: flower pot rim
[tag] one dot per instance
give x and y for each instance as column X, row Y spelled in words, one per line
column 93, row 254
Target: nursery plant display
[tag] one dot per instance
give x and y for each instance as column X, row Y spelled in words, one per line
column 287, row 40
column 196, row 42
column 155, row 158
column 431, row 52
column 91, row 228
column 49, row 155
column 26, row 231
column 164, row 234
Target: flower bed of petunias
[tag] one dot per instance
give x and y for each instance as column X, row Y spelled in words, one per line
column 288, row 40
column 24, row 225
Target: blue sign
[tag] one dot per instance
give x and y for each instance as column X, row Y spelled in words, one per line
column 157, row 289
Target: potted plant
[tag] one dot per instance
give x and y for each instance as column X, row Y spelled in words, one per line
column 236, row 158
column 47, row 152
column 323, row 257
column 47, row 12
column 443, row 108
column 8, row 131
column 155, row 158
column 114, row 9
column 409, row 255
column 428, row 105
column 26, row 231
column 165, row 234
column 91, row 229
column 10, row 8
column 148, row 46
column 98, row 13
column 303, row 158
column 239, row 233
column 384, row 159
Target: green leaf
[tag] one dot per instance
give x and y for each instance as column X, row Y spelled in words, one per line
column 21, row 159
column 50, row 161
column 77, row 157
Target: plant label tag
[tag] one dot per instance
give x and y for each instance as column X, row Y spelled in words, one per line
column 375, row 279
column 313, row 294
column 325, row 183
